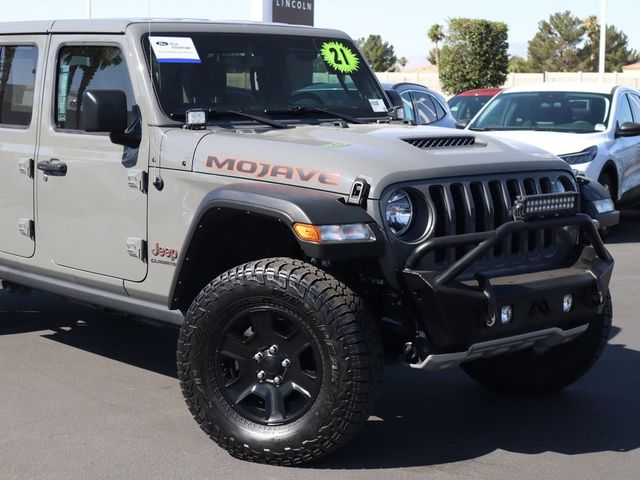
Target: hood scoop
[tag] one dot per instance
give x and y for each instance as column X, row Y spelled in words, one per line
column 444, row 142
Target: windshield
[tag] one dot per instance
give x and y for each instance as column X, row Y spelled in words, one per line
column 575, row 112
column 466, row 107
column 264, row 74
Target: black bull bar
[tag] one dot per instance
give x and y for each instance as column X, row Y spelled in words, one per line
column 456, row 313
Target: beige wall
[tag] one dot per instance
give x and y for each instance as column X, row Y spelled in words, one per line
column 430, row 79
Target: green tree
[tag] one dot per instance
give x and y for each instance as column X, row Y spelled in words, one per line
column 432, row 58
column 555, row 46
column 436, row 35
column 518, row 64
column 617, row 51
column 379, row 54
column 474, row 55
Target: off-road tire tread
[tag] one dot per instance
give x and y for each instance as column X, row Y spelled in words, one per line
column 347, row 320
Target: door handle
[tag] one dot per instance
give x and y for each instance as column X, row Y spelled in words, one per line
column 53, row 167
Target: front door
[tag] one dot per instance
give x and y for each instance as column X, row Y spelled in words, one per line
column 20, row 66
column 91, row 210
column 624, row 149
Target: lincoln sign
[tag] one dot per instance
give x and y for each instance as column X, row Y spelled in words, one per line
column 298, row 12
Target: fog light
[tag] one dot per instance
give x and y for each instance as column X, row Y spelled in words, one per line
column 567, row 303
column 506, row 313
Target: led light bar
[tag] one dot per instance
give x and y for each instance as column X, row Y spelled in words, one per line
column 545, row 205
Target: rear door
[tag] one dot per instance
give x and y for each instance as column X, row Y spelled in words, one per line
column 92, row 218
column 21, row 60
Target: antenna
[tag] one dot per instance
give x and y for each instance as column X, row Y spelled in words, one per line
column 158, row 182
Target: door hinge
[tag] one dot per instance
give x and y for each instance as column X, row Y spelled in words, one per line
column 26, row 227
column 138, row 179
column 25, row 167
column 137, row 248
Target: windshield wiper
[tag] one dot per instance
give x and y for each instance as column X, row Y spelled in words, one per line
column 224, row 111
column 300, row 110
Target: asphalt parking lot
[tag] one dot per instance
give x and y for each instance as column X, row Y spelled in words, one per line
column 86, row 394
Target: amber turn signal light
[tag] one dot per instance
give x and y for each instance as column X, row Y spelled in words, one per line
column 309, row 233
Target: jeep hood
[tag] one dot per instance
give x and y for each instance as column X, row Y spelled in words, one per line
column 330, row 158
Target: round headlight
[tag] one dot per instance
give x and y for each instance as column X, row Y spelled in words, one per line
column 557, row 186
column 399, row 212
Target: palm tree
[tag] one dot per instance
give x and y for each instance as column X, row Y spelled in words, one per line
column 436, row 35
column 591, row 26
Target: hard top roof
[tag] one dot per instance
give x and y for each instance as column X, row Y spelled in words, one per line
column 119, row 25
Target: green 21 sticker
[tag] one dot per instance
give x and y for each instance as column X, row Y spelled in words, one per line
column 340, row 57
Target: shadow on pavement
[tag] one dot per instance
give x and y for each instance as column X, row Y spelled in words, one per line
column 111, row 335
column 628, row 231
column 421, row 419
column 443, row 417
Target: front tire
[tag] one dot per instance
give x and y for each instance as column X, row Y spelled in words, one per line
column 279, row 362
column 537, row 373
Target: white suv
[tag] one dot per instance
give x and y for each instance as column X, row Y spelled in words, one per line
column 594, row 127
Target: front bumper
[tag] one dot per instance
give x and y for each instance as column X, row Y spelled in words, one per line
column 458, row 314
column 608, row 219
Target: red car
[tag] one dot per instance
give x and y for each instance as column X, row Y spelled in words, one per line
column 465, row 105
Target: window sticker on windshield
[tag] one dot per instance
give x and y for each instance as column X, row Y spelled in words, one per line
column 340, row 57
column 174, row 49
column 377, row 104
column 599, row 127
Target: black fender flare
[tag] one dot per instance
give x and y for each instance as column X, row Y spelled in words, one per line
column 287, row 205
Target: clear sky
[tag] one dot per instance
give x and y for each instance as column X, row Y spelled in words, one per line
column 403, row 23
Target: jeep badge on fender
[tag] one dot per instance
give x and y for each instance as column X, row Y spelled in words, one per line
column 296, row 226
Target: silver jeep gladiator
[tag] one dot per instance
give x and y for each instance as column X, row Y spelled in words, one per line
column 251, row 184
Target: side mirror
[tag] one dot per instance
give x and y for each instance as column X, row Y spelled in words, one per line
column 462, row 124
column 396, row 101
column 628, row 129
column 104, row 111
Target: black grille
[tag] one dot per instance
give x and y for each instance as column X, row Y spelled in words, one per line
column 442, row 142
column 480, row 204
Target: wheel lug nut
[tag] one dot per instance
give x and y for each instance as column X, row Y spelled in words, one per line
column 286, row 363
column 273, row 349
column 262, row 376
column 277, row 380
column 258, row 357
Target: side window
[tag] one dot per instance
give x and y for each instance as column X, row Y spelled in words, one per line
column 409, row 114
column 440, row 111
column 82, row 68
column 425, row 108
column 17, row 83
column 635, row 106
column 624, row 111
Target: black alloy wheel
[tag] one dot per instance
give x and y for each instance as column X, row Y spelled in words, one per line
column 268, row 364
